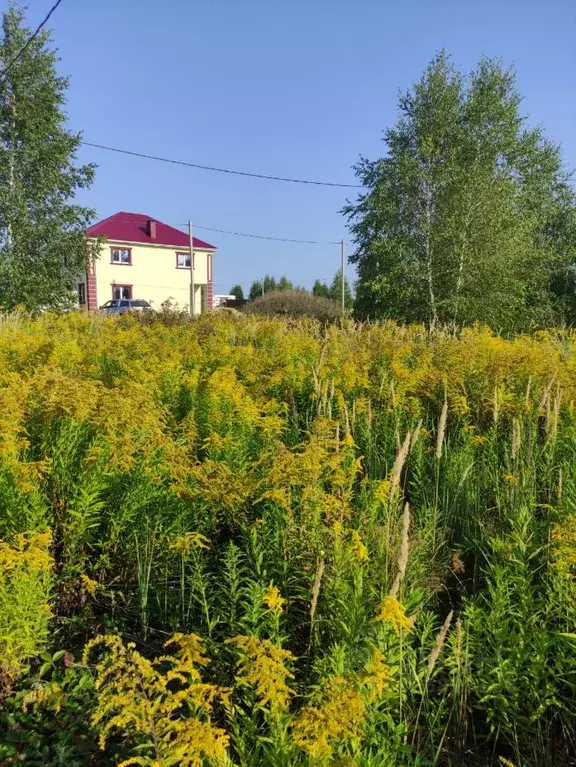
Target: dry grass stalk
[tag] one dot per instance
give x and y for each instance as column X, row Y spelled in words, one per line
column 437, row 649
column 347, row 416
column 316, row 590
column 556, row 413
column 399, row 465
column 546, row 394
column 415, row 435
column 560, row 481
column 464, row 476
column 547, row 420
column 516, row 437
column 496, row 404
column 442, row 428
column 528, row 390
column 402, row 553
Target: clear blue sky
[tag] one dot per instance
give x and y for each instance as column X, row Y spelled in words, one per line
column 297, row 88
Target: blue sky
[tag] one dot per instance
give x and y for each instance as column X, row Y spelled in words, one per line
column 297, row 88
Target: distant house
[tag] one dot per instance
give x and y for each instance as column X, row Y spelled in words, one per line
column 143, row 258
column 221, row 300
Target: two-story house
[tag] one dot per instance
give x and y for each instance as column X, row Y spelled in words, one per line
column 143, row 258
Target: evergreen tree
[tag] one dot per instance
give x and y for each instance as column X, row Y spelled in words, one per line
column 470, row 216
column 335, row 291
column 269, row 284
column 284, row 284
column 42, row 243
column 255, row 290
column 237, row 292
column 320, row 289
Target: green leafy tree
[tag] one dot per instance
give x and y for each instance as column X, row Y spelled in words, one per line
column 237, row 292
column 335, row 291
column 320, row 289
column 270, row 284
column 42, row 243
column 470, row 215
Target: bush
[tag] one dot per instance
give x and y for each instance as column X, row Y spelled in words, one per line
column 294, row 303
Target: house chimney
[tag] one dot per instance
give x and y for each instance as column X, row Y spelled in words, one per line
column 152, row 229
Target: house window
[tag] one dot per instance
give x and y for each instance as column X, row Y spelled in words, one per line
column 121, row 292
column 121, row 256
column 81, row 293
column 182, row 260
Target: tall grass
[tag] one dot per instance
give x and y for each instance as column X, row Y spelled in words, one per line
column 368, row 531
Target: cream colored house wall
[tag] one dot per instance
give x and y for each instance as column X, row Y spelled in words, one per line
column 152, row 274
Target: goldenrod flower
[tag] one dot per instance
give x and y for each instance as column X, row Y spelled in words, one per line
column 339, row 718
column 358, row 548
column 337, row 527
column 377, row 675
column 512, row 479
column 90, row 585
column 262, row 666
column 383, row 488
column 393, row 613
column 185, row 543
column 273, row 600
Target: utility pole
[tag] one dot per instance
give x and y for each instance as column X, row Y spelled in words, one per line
column 343, row 277
column 192, row 286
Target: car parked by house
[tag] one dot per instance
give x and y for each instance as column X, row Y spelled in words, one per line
column 125, row 305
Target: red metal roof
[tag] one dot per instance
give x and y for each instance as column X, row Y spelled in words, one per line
column 133, row 227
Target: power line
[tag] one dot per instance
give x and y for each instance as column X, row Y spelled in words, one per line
column 222, row 170
column 265, row 237
column 246, row 234
column 32, row 37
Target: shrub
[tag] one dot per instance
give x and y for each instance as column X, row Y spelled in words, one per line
column 294, row 303
column 25, row 584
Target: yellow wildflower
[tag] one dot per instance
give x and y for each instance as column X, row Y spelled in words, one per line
column 478, row 439
column 392, row 612
column 383, row 490
column 274, row 600
column 377, row 675
column 512, row 479
column 339, row 718
column 90, row 585
column 564, row 542
column 46, row 696
column 358, row 548
column 337, row 527
column 185, row 543
column 262, row 667
column 136, row 698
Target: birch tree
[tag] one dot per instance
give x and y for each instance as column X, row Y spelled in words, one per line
column 42, row 245
column 470, row 214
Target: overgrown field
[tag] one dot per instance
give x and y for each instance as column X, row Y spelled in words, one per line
column 258, row 543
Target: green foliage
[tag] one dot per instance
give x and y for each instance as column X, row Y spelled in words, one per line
column 255, row 290
column 25, row 590
column 470, row 216
column 269, row 285
column 371, row 527
column 320, row 289
column 294, row 303
column 237, row 291
column 42, row 243
column 335, row 291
